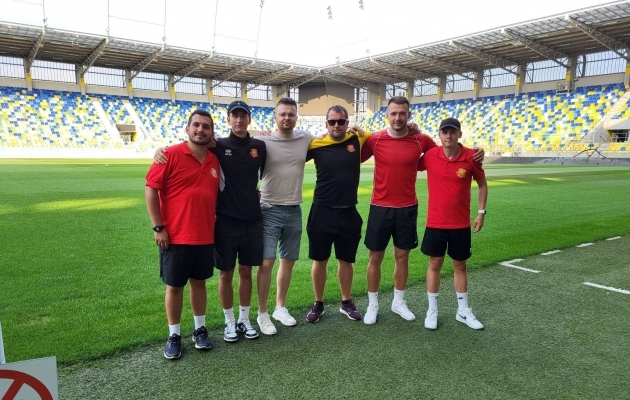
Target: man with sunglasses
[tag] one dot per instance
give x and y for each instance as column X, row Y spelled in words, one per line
column 334, row 219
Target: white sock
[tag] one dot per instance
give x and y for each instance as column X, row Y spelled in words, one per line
column 200, row 320
column 173, row 329
column 462, row 300
column 261, row 313
column 229, row 315
column 398, row 295
column 433, row 297
column 373, row 297
column 243, row 313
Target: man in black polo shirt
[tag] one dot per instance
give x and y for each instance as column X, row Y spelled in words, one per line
column 238, row 228
column 333, row 219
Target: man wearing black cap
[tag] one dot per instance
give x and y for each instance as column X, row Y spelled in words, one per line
column 238, row 230
column 450, row 171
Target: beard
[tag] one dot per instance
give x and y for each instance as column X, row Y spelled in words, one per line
column 200, row 142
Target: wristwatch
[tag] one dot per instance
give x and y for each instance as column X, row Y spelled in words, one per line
column 481, row 212
column 158, row 228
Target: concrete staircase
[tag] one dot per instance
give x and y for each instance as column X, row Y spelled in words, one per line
column 113, row 133
column 597, row 134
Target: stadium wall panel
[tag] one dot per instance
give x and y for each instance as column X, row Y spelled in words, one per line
column 317, row 99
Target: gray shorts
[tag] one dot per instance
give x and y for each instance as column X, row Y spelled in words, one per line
column 282, row 225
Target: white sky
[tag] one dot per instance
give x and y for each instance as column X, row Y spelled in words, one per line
column 291, row 31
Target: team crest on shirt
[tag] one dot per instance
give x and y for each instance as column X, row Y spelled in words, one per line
column 253, row 153
column 461, row 173
column 351, row 148
column 213, row 172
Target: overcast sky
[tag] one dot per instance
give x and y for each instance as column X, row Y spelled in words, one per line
column 292, row 31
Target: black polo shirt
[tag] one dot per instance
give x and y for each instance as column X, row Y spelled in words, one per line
column 242, row 163
column 338, row 166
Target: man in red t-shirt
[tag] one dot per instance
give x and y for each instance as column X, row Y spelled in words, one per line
column 181, row 200
column 450, row 171
column 394, row 205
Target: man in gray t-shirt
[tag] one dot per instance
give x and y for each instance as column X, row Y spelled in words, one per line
column 281, row 196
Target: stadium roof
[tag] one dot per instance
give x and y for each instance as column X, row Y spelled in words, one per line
column 588, row 30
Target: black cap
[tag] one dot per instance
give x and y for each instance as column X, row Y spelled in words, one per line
column 450, row 123
column 238, row 104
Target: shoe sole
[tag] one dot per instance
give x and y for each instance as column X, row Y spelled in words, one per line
column 208, row 347
column 173, row 357
column 463, row 321
column 268, row 333
column 250, row 337
column 283, row 323
column 230, row 340
column 341, row 310
column 312, row 322
column 430, row 328
column 403, row 317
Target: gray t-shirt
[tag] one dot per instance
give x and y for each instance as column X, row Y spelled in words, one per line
column 284, row 168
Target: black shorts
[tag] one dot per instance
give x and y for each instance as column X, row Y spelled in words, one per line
column 237, row 238
column 387, row 222
column 329, row 226
column 458, row 242
column 183, row 261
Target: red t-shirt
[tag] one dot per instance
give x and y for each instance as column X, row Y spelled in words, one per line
column 449, row 187
column 395, row 163
column 188, row 195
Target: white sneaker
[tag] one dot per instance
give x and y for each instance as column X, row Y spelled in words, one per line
column 229, row 334
column 400, row 308
column 282, row 314
column 466, row 316
column 430, row 322
column 245, row 327
column 370, row 314
column 266, row 326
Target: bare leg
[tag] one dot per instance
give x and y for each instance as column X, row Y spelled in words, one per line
column 374, row 270
column 318, row 275
column 401, row 268
column 244, row 285
column 433, row 274
column 461, row 277
column 198, row 296
column 263, row 282
column 173, row 299
column 226, row 292
column 345, row 273
column 283, row 280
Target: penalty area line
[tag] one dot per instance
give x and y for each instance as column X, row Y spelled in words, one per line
column 584, row 245
column 510, row 264
column 614, row 238
column 612, row 289
column 551, row 252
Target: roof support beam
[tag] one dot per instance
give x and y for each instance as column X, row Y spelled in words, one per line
column 266, row 78
column 184, row 72
column 412, row 73
column 608, row 41
column 543, row 50
column 497, row 61
column 371, row 86
column 297, row 82
column 94, row 55
column 33, row 53
column 145, row 63
column 453, row 68
column 230, row 74
column 373, row 76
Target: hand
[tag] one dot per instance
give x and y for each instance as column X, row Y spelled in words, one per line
column 321, row 136
column 161, row 239
column 478, row 222
column 479, row 155
column 413, row 128
column 357, row 130
column 213, row 142
column 264, row 132
column 160, row 156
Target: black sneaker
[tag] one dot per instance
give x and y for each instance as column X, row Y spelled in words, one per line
column 317, row 310
column 200, row 337
column 173, row 349
column 350, row 310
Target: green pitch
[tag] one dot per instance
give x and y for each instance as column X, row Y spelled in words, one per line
column 80, row 281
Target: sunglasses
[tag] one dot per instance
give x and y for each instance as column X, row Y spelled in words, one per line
column 333, row 122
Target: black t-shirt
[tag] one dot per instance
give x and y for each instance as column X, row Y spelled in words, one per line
column 338, row 166
column 242, row 163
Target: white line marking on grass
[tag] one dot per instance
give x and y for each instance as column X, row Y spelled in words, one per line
column 511, row 265
column 614, row 238
column 584, row 245
column 551, row 252
column 612, row 289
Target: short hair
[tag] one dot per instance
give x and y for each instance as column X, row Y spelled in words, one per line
column 339, row 109
column 399, row 100
column 203, row 113
column 287, row 101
